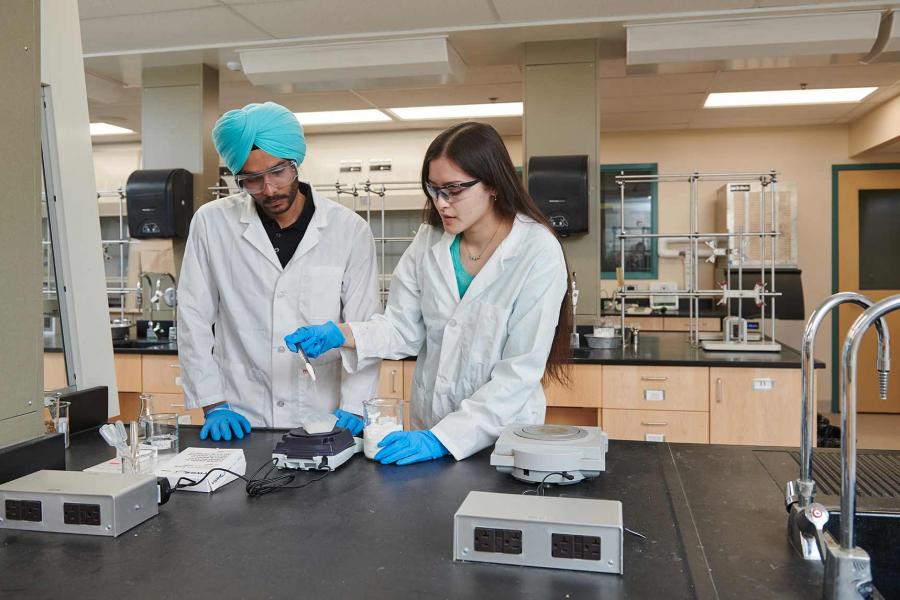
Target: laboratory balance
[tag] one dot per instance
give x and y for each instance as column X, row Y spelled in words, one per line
column 315, row 451
column 543, row 453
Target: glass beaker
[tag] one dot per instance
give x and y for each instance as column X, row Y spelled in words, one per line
column 381, row 416
column 144, row 462
column 143, row 416
column 162, row 433
column 56, row 415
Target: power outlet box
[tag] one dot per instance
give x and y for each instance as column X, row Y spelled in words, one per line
column 539, row 531
column 106, row 504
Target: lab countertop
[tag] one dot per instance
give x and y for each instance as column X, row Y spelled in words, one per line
column 654, row 349
column 713, row 517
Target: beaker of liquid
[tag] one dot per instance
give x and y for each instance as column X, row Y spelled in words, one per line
column 381, row 416
column 162, row 433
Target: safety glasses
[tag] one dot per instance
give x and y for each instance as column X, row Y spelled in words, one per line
column 282, row 174
column 450, row 192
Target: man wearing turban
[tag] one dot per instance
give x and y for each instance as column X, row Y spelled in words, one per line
column 258, row 262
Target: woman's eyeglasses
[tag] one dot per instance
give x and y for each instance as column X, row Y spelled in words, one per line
column 450, row 192
column 282, row 174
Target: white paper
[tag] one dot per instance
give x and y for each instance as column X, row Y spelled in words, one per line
column 194, row 463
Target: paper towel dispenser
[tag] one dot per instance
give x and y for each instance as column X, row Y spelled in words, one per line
column 559, row 186
column 160, row 203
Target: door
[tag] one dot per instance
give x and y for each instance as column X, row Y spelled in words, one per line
column 867, row 255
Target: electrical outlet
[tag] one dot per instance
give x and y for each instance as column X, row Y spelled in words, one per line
column 507, row 541
column 585, row 547
column 31, row 511
column 81, row 514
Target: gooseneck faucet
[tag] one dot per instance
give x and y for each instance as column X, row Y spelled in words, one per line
column 848, row 568
column 806, row 520
column 806, row 483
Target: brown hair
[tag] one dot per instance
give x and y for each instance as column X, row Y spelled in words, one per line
column 478, row 149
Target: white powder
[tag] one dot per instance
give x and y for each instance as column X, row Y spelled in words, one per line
column 375, row 432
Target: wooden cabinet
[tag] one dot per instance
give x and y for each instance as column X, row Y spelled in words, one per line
column 54, row 371
column 569, row 415
column 645, row 323
column 754, row 406
column 657, row 425
column 656, row 388
column 584, row 391
column 160, row 374
column 390, row 382
column 684, row 324
column 128, row 372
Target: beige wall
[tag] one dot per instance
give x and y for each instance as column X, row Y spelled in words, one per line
column 802, row 155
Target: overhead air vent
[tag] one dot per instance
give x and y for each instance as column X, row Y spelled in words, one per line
column 365, row 64
column 754, row 42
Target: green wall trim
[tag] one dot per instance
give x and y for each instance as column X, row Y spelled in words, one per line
column 653, row 168
column 835, row 256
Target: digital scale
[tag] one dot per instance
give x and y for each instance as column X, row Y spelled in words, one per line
column 539, row 453
column 315, row 451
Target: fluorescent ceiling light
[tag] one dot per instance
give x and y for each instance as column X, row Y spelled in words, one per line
column 459, row 111
column 107, row 129
column 333, row 117
column 787, row 97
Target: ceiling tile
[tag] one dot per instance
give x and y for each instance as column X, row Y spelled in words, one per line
column 652, row 103
column 93, row 9
column 291, row 19
column 438, row 96
column 813, row 77
column 541, row 10
column 650, row 85
column 165, row 30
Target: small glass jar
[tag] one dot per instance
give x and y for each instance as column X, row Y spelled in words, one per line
column 56, row 415
column 381, row 416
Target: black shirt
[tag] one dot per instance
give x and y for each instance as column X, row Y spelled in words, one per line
column 285, row 241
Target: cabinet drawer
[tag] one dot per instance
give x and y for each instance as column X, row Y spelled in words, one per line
column 585, row 390
column 128, row 372
column 174, row 403
column 568, row 415
column 673, row 426
column 390, row 381
column 684, row 324
column 656, row 388
column 160, row 374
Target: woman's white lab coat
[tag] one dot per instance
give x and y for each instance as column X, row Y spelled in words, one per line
column 480, row 359
column 232, row 278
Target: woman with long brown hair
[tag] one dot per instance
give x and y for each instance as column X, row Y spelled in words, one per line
column 480, row 296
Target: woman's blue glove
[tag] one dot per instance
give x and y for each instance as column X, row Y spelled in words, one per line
column 407, row 447
column 221, row 421
column 315, row 340
column 348, row 421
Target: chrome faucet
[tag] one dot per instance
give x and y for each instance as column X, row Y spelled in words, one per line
column 803, row 532
column 848, row 572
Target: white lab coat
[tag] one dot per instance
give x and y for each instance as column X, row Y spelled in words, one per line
column 231, row 279
column 480, row 359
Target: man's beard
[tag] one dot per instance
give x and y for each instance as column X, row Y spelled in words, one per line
column 266, row 202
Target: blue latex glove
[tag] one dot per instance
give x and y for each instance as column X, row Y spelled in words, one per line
column 315, row 340
column 349, row 421
column 407, row 447
column 221, row 421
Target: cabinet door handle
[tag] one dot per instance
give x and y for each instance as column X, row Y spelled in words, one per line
column 657, row 378
column 655, row 423
column 174, row 366
column 393, row 381
column 177, row 405
column 720, row 392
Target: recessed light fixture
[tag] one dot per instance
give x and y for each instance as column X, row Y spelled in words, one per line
column 107, row 129
column 787, row 97
column 459, row 111
column 336, row 117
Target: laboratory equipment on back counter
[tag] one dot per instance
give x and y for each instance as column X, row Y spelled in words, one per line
column 544, row 454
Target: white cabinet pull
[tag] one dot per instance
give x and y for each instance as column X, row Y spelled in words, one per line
column 393, row 381
column 657, row 378
column 655, row 423
column 177, row 405
column 720, row 392
column 174, row 366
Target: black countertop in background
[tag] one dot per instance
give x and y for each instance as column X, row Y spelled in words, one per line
column 654, row 349
column 713, row 517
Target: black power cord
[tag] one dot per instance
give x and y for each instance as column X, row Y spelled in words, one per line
column 257, row 486
column 539, row 491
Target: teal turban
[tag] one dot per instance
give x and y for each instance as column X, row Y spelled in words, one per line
column 270, row 127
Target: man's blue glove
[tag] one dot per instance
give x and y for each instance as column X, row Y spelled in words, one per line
column 349, row 421
column 221, row 421
column 315, row 340
column 407, row 447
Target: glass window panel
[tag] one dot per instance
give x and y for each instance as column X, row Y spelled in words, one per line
column 640, row 217
column 879, row 244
